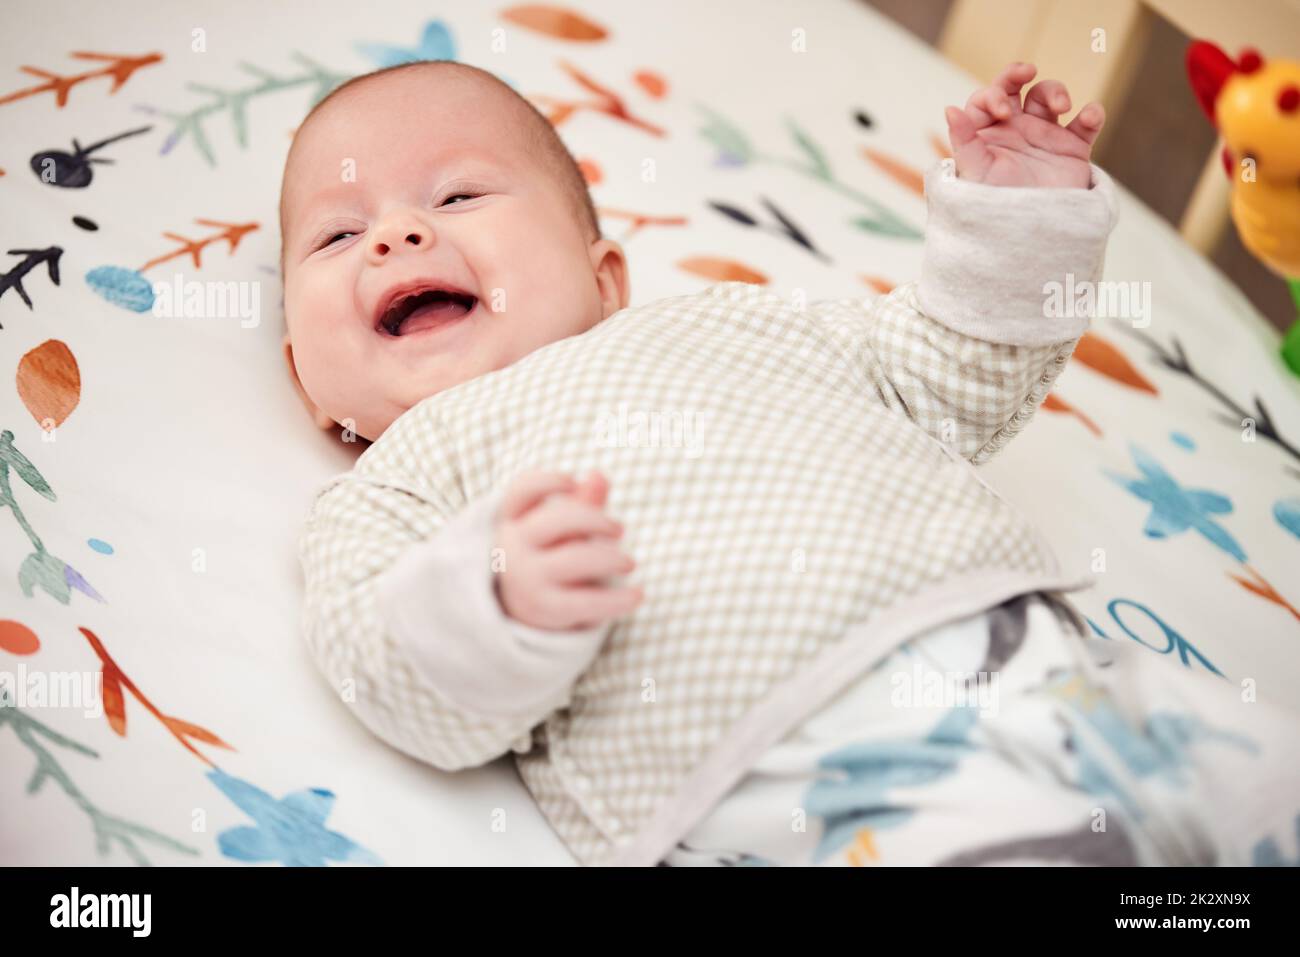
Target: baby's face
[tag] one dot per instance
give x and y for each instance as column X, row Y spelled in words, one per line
column 414, row 185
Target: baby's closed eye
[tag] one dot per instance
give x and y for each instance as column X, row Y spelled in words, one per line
column 333, row 233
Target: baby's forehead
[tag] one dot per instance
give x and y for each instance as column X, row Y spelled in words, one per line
column 434, row 105
column 406, row 103
column 426, row 85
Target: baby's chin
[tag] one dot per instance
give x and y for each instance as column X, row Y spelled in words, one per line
column 378, row 422
column 432, row 372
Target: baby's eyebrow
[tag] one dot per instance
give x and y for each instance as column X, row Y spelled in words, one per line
column 301, row 222
column 325, row 197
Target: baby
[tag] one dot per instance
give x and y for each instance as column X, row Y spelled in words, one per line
column 820, row 556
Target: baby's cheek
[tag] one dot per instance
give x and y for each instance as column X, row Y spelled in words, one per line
column 564, row 272
column 323, row 307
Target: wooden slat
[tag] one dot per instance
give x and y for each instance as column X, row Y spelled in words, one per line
column 1271, row 26
column 1209, row 209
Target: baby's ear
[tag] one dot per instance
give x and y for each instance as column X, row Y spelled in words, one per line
column 322, row 420
column 610, row 266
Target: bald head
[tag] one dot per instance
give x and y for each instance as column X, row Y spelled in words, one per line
column 541, row 139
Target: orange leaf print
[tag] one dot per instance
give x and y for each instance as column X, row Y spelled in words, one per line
column 559, row 113
column 115, row 680
column 230, row 232
column 119, row 68
column 897, row 170
column 639, row 220
column 49, row 383
column 940, row 146
column 655, row 85
column 721, row 270
column 1100, row 356
column 882, row 286
column 590, row 171
column 555, row 22
column 114, row 702
column 183, row 729
column 17, row 639
column 1053, row 403
column 1263, row 589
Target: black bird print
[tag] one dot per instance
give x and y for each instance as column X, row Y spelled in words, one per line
column 73, row 170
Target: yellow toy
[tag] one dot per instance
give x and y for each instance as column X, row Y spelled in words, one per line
column 1256, row 108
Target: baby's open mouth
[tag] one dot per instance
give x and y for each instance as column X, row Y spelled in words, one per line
column 416, row 310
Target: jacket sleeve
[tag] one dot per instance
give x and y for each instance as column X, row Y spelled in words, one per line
column 970, row 350
column 401, row 615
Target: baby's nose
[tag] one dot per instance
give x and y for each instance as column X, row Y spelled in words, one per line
column 407, row 234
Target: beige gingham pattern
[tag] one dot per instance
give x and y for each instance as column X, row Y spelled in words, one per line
column 808, row 502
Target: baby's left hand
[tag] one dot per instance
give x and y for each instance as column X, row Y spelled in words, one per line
column 998, row 142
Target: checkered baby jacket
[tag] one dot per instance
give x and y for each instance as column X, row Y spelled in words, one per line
column 798, row 489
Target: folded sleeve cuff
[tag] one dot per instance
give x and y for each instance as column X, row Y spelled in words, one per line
column 439, row 602
column 992, row 253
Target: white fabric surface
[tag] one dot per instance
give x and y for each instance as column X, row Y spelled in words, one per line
column 188, row 434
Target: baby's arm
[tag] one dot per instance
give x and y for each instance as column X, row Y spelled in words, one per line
column 402, row 615
column 970, row 350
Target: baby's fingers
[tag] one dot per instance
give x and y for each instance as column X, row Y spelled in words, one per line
column 1001, row 99
column 563, row 516
column 990, row 105
column 961, row 130
column 1016, row 75
column 586, row 561
column 972, row 156
column 591, row 605
column 530, row 488
column 594, row 489
column 1088, row 123
column 1047, row 100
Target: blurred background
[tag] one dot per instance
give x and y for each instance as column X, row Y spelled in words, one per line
column 1157, row 142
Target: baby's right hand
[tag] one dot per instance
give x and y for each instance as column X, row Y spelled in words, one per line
column 558, row 543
